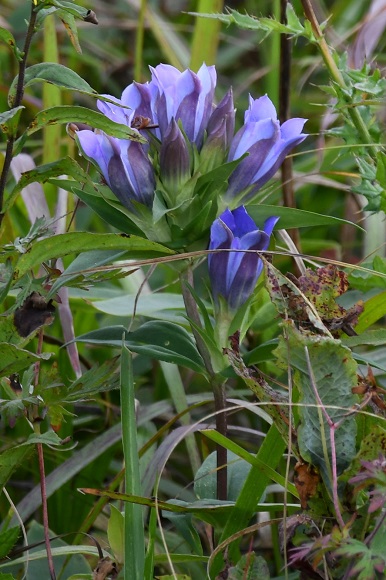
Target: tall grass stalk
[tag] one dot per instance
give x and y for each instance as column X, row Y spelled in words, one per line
column 134, row 533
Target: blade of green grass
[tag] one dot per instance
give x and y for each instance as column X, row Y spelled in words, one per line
column 134, row 540
column 206, row 35
column 177, row 392
column 263, row 464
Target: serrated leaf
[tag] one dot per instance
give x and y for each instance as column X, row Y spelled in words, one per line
column 8, row 539
column 96, row 380
column 47, row 438
column 52, row 73
column 159, row 340
column 75, row 242
column 14, row 359
column 334, row 376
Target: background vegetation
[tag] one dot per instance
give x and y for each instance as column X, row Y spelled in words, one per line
column 73, row 414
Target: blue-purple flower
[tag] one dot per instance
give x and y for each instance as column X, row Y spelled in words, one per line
column 233, row 274
column 124, row 165
column 267, row 143
column 183, row 96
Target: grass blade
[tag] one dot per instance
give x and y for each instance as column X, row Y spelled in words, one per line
column 134, row 540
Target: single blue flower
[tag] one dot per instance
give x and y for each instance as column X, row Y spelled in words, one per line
column 267, row 143
column 184, row 96
column 124, row 165
column 233, row 274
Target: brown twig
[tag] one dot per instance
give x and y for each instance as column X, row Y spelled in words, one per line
column 17, row 102
column 43, row 489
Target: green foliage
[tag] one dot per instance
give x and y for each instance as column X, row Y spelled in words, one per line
column 8, row 539
column 118, row 388
column 324, row 376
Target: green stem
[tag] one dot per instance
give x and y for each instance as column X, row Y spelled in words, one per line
column 217, row 386
column 17, row 103
column 337, row 76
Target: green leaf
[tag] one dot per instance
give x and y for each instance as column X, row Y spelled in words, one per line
column 95, row 380
column 115, row 531
column 270, row 452
column 108, row 212
column 52, row 73
column 69, row 24
column 245, row 21
column 252, row 459
column 370, row 277
column 374, row 310
column 10, row 459
column 75, row 242
column 185, row 526
column 249, row 567
column 334, row 376
column 47, row 438
column 9, row 121
column 159, row 340
column 70, row 8
column 371, row 337
column 75, row 114
column 14, row 359
column 43, row 173
column 205, row 479
column 158, row 305
column 293, row 218
column 7, row 37
column 8, row 539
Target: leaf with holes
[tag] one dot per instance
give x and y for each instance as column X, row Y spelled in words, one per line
column 334, row 374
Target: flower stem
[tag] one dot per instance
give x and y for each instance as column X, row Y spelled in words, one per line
column 186, row 278
column 43, row 491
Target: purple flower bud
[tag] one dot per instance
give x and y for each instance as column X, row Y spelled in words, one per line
column 124, row 165
column 219, row 134
column 225, row 111
column 174, row 159
column 187, row 96
column 267, row 143
column 233, row 275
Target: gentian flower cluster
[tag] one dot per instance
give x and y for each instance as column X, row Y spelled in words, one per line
column 233, row 274
column 187, row 136
column 162, row 183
